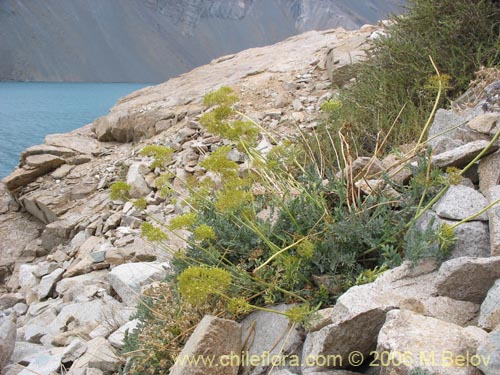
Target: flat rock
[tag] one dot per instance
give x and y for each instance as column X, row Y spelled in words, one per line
column 461, row 156
column 26, row 351
column 358, row 333
column 489, row 349
column 489, row 172
column 461, row 202
column 22, row 177
column 42, row 149
column 462, row 313
column 88, row 314
column 100, row 355
column 270, row 332
column 7, row 339
column 214, row 337
column 58, row 232
column 137, row 116
column 135, row 178
column 401, row 342
column 44, row 205
column 489, row 317
column 467, row 278
column 390, row 290
column 116, row 339
column 444, row 126
column 127, row 279
column 43, row 363
column 48, row 283
column 484, row 123
column 36, row 166
column 79, row 140
column 471, row 239
column 45, row 161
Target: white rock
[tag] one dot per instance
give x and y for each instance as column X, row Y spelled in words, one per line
column 117, row 338
column 48, row 282
column 127, row 279
column 489, row 317
column 467, row 279
column 99, row 355
column 422, row 338
column 74, row 350
column 461, row 202
column 461, row 156
column 27, row 279
column 489, row 350
column 214, row 337
column 270, row 332
column 135, row 178
column 43, row 363
column 7, row 339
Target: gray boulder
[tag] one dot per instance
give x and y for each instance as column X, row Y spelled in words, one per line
column 489, row 317
column 408, row 340
column 48, row 283
column 489, row 352
column 7, row 339
column 461, row 202
column 467, row 278
column 444, row 128
column 100, row 355
column 360, row 313
column 213, row 338
column 472, row 238
column 270, row 332
column 489, row 172
column 461, row 156
column 127, row 279
column 43, row 363
column 135, row 178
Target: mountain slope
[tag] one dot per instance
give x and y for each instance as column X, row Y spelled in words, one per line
column 153, row 40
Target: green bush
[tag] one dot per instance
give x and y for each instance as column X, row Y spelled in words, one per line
column 459, row 35
column 284, row 231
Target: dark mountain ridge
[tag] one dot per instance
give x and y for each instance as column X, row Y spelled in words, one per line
column 153, row 40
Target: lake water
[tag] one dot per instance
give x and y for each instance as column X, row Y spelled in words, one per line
column 30, row 111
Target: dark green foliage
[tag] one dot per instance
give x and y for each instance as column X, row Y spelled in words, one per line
column 459, row 35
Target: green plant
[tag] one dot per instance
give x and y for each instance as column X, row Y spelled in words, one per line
column 166, row 322
column 162, row 155
column 304, row 238
column 459, row 35
column 120, row 190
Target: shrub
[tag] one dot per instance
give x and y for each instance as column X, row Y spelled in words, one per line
column 120, row 190
column 459, row 35
column 304, row 239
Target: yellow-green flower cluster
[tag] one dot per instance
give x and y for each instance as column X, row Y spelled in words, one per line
column 162, row 155
column 197, row 284
column 152, row 233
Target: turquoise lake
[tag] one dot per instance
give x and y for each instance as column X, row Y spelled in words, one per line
column 29, row 111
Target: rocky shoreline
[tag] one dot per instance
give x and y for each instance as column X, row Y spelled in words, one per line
column 73, row 262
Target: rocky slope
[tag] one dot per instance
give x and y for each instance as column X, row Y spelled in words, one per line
column 153, row 40
column 73, row 262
